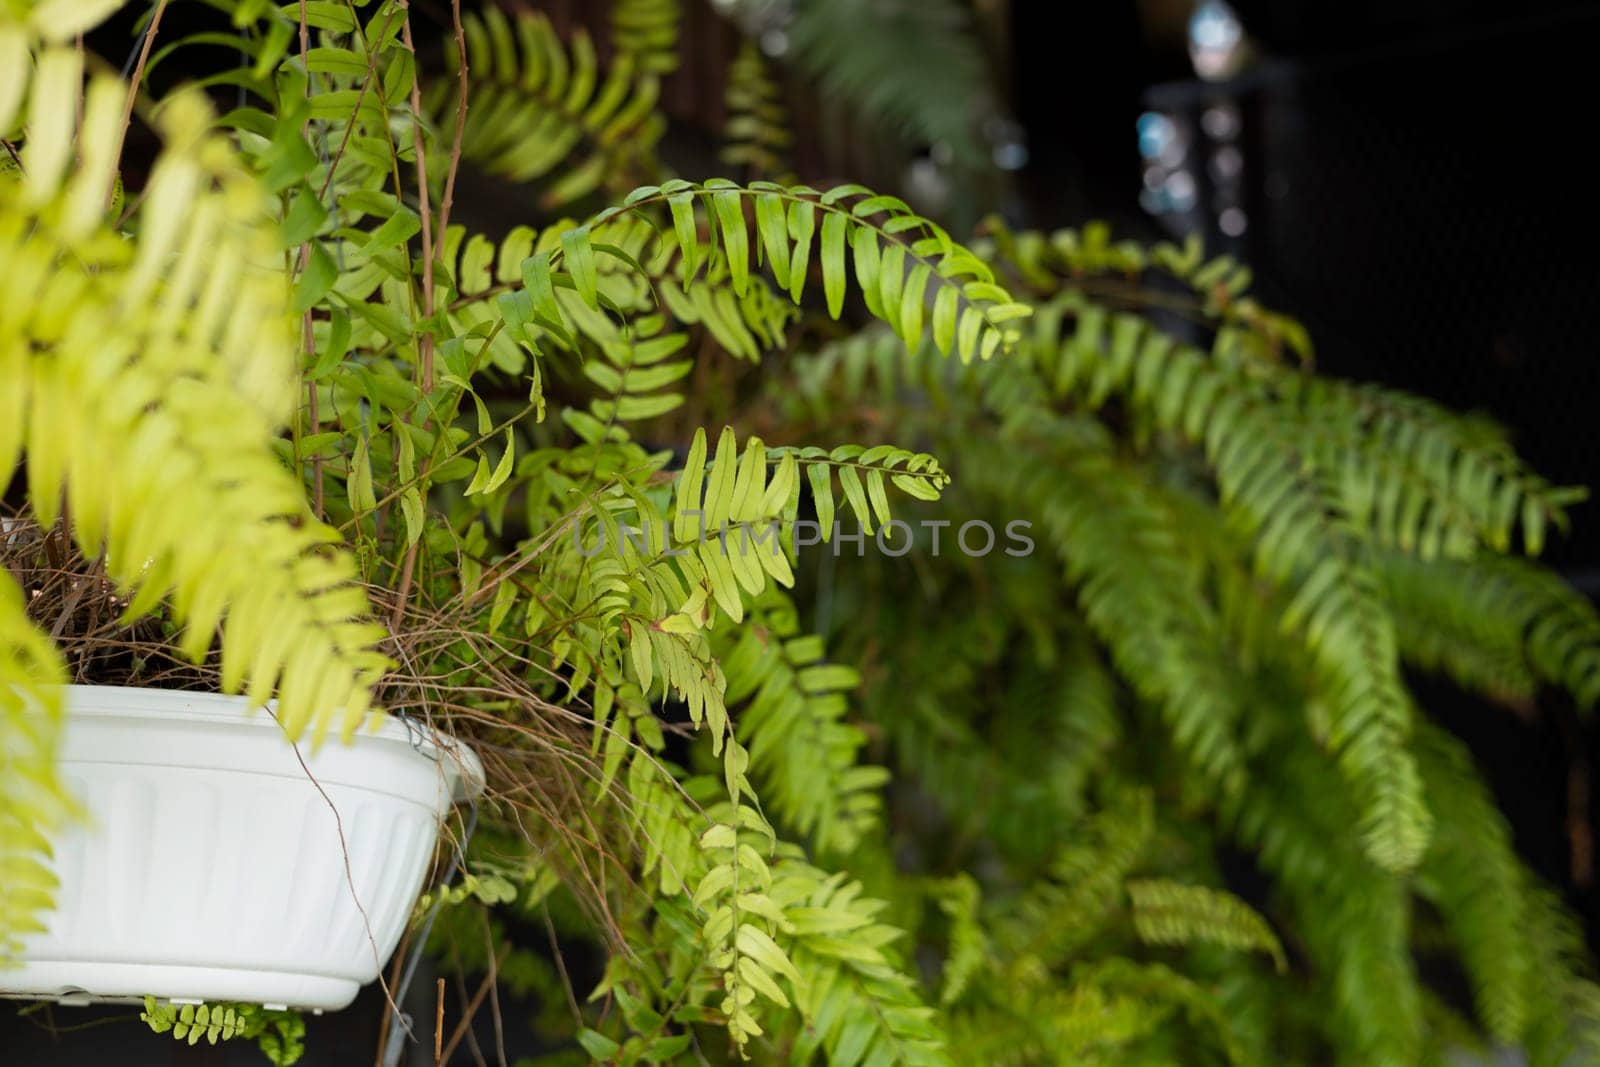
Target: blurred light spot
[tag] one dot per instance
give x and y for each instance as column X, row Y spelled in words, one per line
column 1233, row 222
column 1216, row 41
column 1156, row 132
column 1221, row 122
column 1013, row 155
column 1214, row 25
column 1227, row 163
column 1007, row 142
column 775, row 43
column 1180, row 190
column 928, row 184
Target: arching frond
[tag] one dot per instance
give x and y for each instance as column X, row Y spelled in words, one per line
column 900, row 261
column 858, row 1006
column 1171, row 913
column 941, row 98
column 33, row 799
column 538, row 103
column 1302, row 540
column 802, row 752
column 1352, row 918
column 646, row 31
column 756, row 135
column 1140, row 591
column 1496, row 624
column 168, row 367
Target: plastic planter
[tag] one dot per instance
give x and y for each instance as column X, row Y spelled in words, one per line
column 219, row 862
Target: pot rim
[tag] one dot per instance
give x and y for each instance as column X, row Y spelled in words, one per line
column 462, row 767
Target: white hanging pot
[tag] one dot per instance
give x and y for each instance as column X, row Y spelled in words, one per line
column 214, row 865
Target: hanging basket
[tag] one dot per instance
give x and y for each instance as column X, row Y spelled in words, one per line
column 218, row 862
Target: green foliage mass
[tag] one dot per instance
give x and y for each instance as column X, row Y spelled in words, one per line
column 953, row 809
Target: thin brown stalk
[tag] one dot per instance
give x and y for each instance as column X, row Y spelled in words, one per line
column 448, row 200
column 133, row 88
column 308, row 339
column 494, row 992
column 403, row 590
column 561, row 966
column 425, row 340
column 464, row 997
column 307, row 334
column 462, row 1027
column 438, row 1026
column 393, row 983
column 361, row 95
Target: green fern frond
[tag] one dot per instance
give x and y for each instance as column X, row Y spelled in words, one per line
column 1441, row 625
column 970, row 951
column 668, row 838
column 1064, row 718
column 33, row 799
column 1172, row 913
column 1564, row 1024
column 756, row 135
column 1108, row 1013
column 900, row 260
column 1471, row 874
column 1126, row 275
column 743, row 912
column 736, row 522
column 1302, row 540
column 538, row 103
column 1452, row 483
column 1513, row 622
column 857, row 51
column 168, row 366
column 279, row 1034
column 1532, row 979
column 1124, row 550
column 646, row 31
column 1045, row 1024
column 1056, row 916
column 801, row 750
column 478, row 278
column 1352, row 918
column 1153, row 982
column 857, row 1004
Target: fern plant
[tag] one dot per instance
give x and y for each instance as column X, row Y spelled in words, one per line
column 1241, row 559
column 551, row 492
column 381, row 348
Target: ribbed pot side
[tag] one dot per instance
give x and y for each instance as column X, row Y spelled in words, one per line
column 219, row 862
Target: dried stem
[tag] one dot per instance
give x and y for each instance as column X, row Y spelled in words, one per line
column 307, row 334
column 494, row 992
column 438, row 1026
column 448, row 200
column 133, row 88
column 462, row 1027
column 425, row 339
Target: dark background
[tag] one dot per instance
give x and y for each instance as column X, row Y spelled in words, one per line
column 1420, row 185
